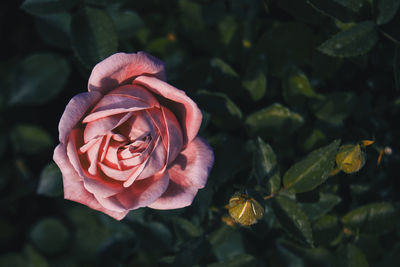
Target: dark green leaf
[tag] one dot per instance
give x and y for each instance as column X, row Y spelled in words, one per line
column 255, row 80
column 355, row 41
column 127, row 23
column 265, row 166
column 226, row 114
column 50, row 183
column 349, row 256
column 386, row 10
column 29, row 139
column 45, row 7
column 49, row 235
column 55, row 29
column 191, row 15
column 227, row 28
column 292, row 218
column 93, row 35
column 313, row 170
column 273, row 121
column 326, row 229
column 334, row 108
column 242, row 260
column 34, row 258
column 225, row 77
column 375, row 218
column 39, row 78
column 191, row 252
column 226, row 243
column 297, row 88
column 318, row 209
column 354, row 5
column 333, row 9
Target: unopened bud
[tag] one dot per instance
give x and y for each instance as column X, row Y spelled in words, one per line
column 244, row 210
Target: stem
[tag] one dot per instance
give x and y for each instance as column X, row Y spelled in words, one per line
column 274, row 194
column 391, row 38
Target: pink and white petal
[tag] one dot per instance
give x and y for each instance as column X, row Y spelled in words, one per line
column 183, row 107
column 188, row 173
column 74, row 141
column 102, row 186
column 111, row 203
column 101, row 127
column 120, row 67
column 144, row 192
column 138, row 126
column 175, row 139
column 74, row 111
column 137, row 92
column 73, row 186
column 114, row 104
column 156, row 161
column 115, row 174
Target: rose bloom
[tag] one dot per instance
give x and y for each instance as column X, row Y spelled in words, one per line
column 131, row 141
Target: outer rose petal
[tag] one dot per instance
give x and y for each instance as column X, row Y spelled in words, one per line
column 184, row 108
column 118, row 68
column 73, row 186
column 188, row 173
column 73, row 113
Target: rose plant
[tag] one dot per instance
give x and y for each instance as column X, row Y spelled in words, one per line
column 131, row 140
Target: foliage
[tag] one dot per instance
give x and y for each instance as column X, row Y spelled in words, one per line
column 288, row 89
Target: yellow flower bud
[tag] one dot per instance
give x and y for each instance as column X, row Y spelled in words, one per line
column 244, row 209
column 350, row 158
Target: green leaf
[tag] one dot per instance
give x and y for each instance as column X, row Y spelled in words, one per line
column 49, row 235
column 374, row 218
column 293, row 220
column 34, row 258
column 355, row 41
column 50, row 183
column 350, row 255
column 227, row 27
column 225, row 77
column 326, row 203
column 255, row 80
column 297, row 88
column 226, row 243
column 45, row 7
column 191, row 252
column 333, row 9
column 241, row 260
column 127, row 23
column 30, row 139
column 265, row 166
column 39, row 78
column 225, row 113
column 55, row 29
column 386, row 9
column 354, row 5
column 326, row 229
column 191, row 15
column 312, row 171
column 93, row 36
column 334, row 108
column 273, row 121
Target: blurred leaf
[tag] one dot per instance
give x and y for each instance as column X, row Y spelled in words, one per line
column 127, row 23
column 191, row 15
column 312, row 171
column 225, row 77
column 12, row 260
column 50, row 183
column 371, row 246
column 333, row 9
column 55, row 29
column 311, row 139
column 355, row 41
column 45, row 7
column 49, row 235
column 324, row 205
column 311, row 256
column 300, row 10
column 287, row 44
column 255, row 80
column 93, row 36
column 191, row 252
column 354, row 5
column 374, row 218
column 325, row 230
column 265, row 166
column 349, row 256
column 187, row 227
column 225, row 113
column 242, row 260
column 227, row 28
column 3, row 142
column 293, row 220
column 34, row 258
column 334, row 108
column 297, row 88
column 386, row 9
column 226, row 243
column 30, row 139
column 273, row 121
column 39, row 78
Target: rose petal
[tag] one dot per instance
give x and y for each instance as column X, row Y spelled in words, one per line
column 74, row 111
column 156, row 162
column 115, row 174
column 188, row 173
column 144, row 192
column 73, row 186
column 138, row 126
column 120, row 67
column 114, row 104
column 175, row 139
column 186, row 110
column 137, row 92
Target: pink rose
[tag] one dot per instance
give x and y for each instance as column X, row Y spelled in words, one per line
column 131, row 141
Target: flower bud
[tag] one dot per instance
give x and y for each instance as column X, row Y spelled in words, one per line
column 350, row 158
column 244, row 209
